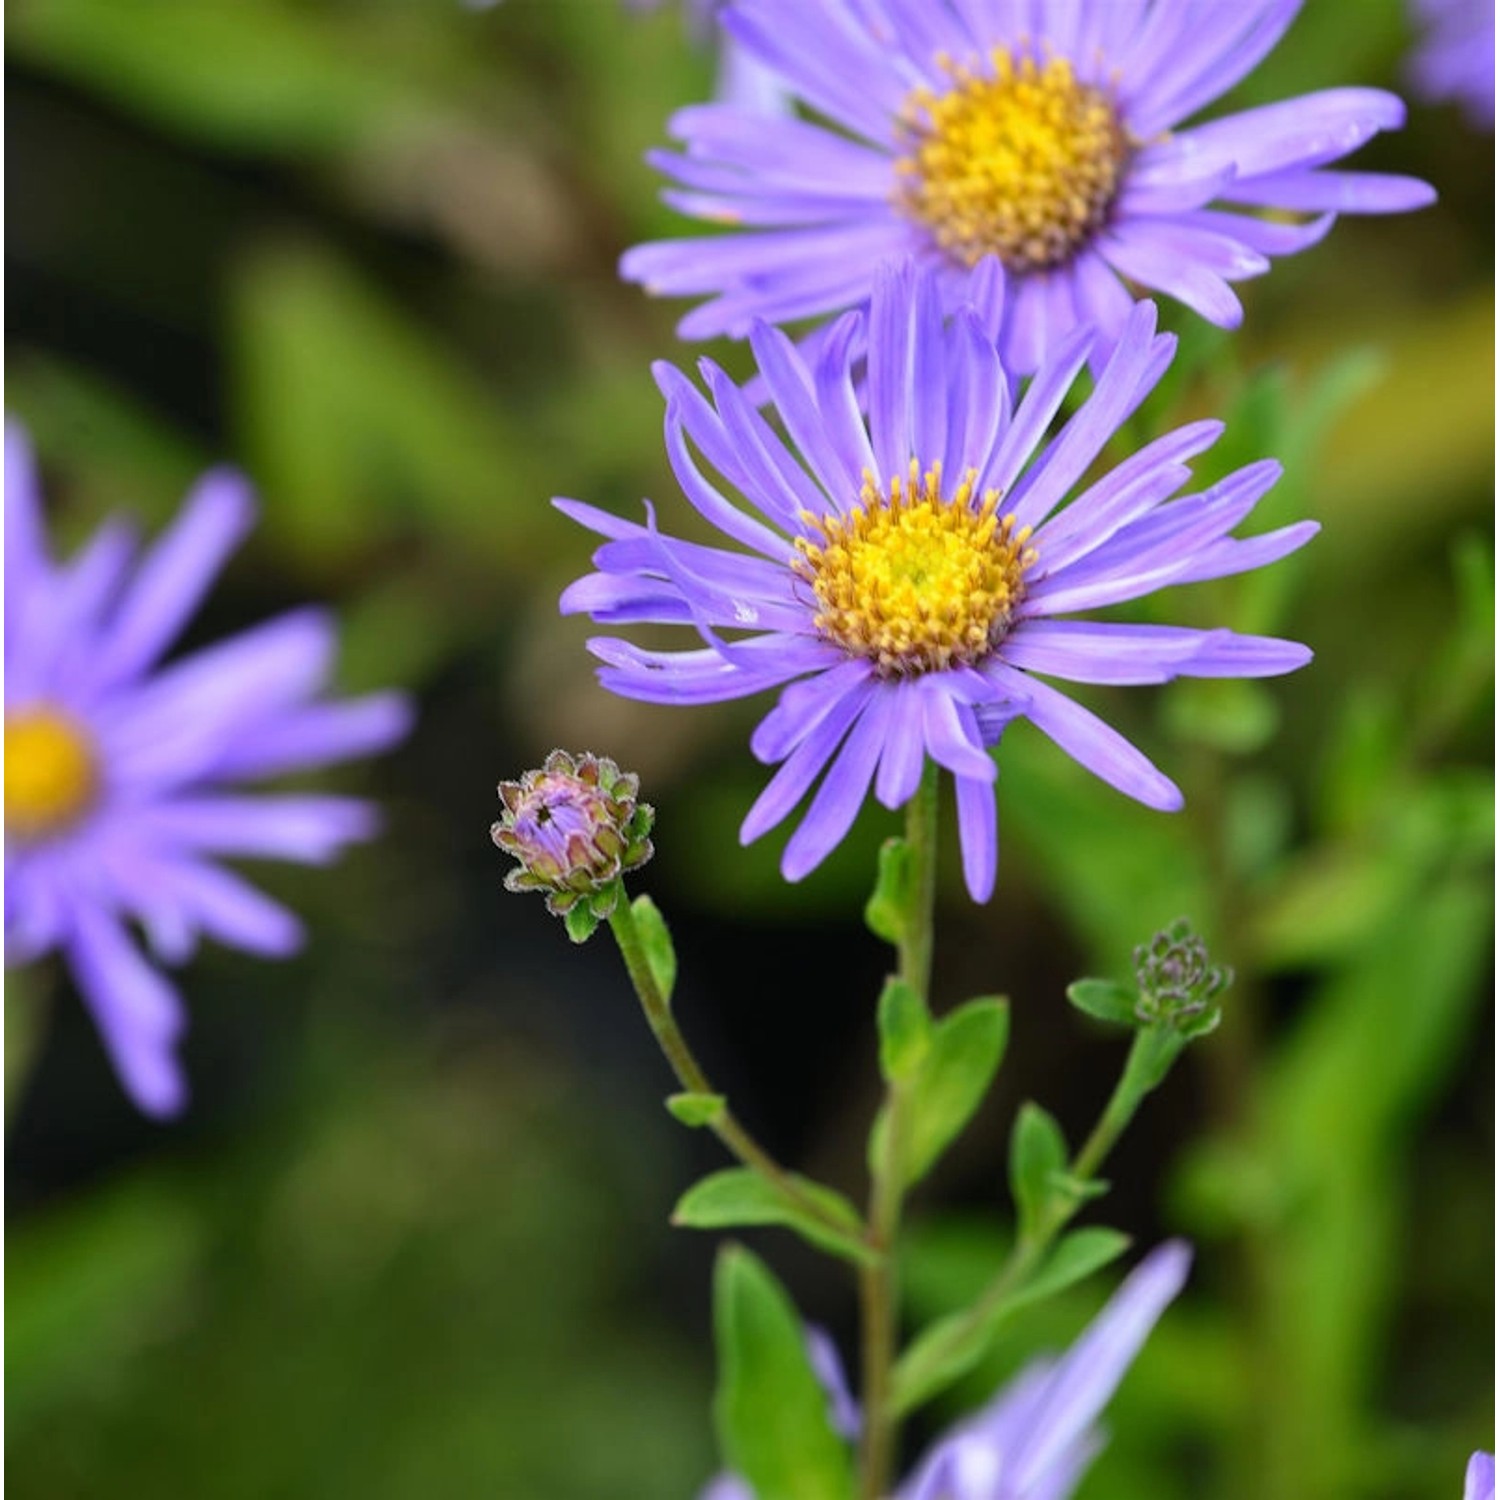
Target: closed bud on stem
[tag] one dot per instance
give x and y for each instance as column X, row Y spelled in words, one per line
column 1177, row 983
column 576, row 827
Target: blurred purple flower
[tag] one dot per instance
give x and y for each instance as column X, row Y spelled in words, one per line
column 1047, row 133
column 1035, row 1439
column 916, row 604
column 119, row 769
column 1479, row 1481
column 1456, row 57
column 743, row 81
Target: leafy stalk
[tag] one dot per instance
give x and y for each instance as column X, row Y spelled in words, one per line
column 878, row 1289
column 645, row 978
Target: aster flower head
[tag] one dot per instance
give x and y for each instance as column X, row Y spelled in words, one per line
column 1049, row 136
column 1455, row 58
column 575, row 826
column 901, row 580
column 1034, row 1440
column 123, row 773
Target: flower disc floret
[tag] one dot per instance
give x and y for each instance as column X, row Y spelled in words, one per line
column 51, row 774
column 575, row 826
column 1022, row 161
column 912, row 581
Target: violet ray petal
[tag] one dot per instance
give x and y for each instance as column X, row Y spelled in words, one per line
column 138, row 1013
column 1091, row 742
column 177, row 572
column 1086, row 1377
column 838, row 800
column 798, row 772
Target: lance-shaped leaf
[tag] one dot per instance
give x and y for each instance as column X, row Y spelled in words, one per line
column 951, row 1347
column 771, row 1410
column 941, row 1095
column 738, row 1197
column 1038, row 1157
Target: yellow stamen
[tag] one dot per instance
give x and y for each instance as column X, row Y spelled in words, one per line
column 1022, row 163
column 912, row 581
column 50, row 774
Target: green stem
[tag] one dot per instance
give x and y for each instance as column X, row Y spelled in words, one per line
column 877, row 1282
column 1150, row 1054
column 694, row 1080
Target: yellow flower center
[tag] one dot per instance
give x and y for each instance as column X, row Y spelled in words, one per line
column 50, row 775
column 1022, row 164
column 912, row 581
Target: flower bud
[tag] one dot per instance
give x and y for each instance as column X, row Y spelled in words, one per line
column 576, row 827
column 1177, row 982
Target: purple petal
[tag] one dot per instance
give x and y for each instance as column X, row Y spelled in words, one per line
column 308, row 829
column 800, row 769
column 1089, row 740
column 177, row 572
column 322, row 734
column 1479, row 1480
column 976, row 834
column 139, row 1015
column 842, row 793
column 1086, row 1377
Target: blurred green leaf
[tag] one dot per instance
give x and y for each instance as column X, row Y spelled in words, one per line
column 963, row 1055
column 905, row 1030
column 772, row 1411
column 656, row 940
column 1104, row 1000
column 1231, row 714
column 88, row 1286
column 362, row 430
column 885, row 911
column 1038, row 1154
column 737, row 1197
column 696, row 1110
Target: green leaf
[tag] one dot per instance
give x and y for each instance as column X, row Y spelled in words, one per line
column 1104, row 1000
column 580, row 922
column 1229, row 714
column 1078, row 1254
column 938, row 1356
column 696, row 1109
column 952, row 1346
column 737, row 1197
column 941, row 1096
column 905, row 1030
column 771, row 1410
column 661, row 956
column 1038, row 1156
column 885, row 911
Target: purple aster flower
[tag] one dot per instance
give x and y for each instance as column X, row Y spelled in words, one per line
column 1046, row 134
column 1456, row 58
column 743, row 81
column 901, row 580
column 1037, row 1436
column 1479, row 1481
column 121, row 772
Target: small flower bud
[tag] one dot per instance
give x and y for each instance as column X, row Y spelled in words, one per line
column 1177, row 982
column 576, row 828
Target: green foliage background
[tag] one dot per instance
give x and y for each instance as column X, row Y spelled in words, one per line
column 412, row 1239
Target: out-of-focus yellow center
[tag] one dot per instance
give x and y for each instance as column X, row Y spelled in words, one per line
column 913, row 581
column 1022, row 163
column 50, row 774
